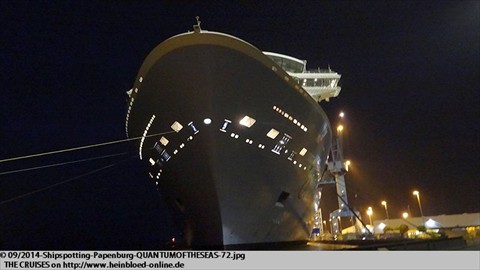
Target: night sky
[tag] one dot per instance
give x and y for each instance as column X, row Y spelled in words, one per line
column 410, row 76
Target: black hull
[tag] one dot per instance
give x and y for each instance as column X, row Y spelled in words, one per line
column 229, row 189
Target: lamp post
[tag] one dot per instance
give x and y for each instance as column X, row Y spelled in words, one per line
column 369, row 213
column 416, row 193
column 384, row 203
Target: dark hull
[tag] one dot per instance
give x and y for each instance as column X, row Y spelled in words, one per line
column 228, row 188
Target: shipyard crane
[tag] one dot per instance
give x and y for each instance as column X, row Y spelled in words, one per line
column 335, row 172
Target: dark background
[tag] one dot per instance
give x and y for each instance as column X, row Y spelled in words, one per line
column 410, row 74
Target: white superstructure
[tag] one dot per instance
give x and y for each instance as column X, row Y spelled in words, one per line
column 321, row 84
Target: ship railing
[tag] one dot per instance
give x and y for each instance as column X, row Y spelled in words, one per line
column 320, row 85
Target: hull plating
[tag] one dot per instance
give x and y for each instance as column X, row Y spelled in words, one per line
column 233, row 184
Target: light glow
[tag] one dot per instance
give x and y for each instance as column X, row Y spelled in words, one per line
column 382, row 226
column 303, row 152
column 430, row 223
column 247, row 121
column 207, row 121
column 347, row 165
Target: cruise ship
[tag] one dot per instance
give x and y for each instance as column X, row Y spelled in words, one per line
column 234, row 137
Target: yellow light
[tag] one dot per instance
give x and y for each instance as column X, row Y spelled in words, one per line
column 341, row 115
column 405, row 215
column 384, row 203
column 369, row 211
column 340, row 128
column 347, row 164
column 416, row 193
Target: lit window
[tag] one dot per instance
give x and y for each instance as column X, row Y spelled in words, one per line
column 164, row 141
column 152, row 162
column 176, row 126
column 303, row 152
column 247, row 121
column 225, row 124
column 182, row 145
column 194, row 129
column 273, row 133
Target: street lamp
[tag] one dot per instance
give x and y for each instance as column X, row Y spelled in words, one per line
column 369, row 213
column 384, row 203
column 405, row 215
column 339, row 128
column 416, row 193
column 347, row 164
